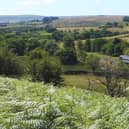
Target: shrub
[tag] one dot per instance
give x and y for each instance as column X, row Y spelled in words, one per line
column 9, row 64
column 126, row 19
column 37, row 54
column 44, row 68
column 68, row 57
column 92, row 62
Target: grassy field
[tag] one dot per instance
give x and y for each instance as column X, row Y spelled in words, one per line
column 122, row 36
column 27, row 105
column 113, row 29
column 125, row 28
column 77, row 28
column 82, row 81
column 74, row 68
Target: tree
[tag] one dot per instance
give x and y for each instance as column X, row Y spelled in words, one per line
column 92, row 62
column 50, row 29
column 108, row 49
column 126, row 51
column 81, row 56
column 9, row 63
column 68, row 41
column 50, row 71
column 98, row 44
column 32, row 44
column 44, row 68
column 68, row 57
column 116, row 41
column 87, row 45
column 47, row 20
column 109, row 24
column 119, row 46
column 115, row 24
column 58, row 35
column 51, row 47
column 115, row 75
column 17, row 46
column 126, row 19
column 37, row 54
column 80, row 45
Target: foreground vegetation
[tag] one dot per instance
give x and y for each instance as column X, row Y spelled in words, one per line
column 27, row 105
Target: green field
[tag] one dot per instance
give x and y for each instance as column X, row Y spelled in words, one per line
column 82, row 81
column 77, row 28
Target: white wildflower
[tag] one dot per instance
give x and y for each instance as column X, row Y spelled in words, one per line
column 82, row 103
column 51, row 90
column 68, row 97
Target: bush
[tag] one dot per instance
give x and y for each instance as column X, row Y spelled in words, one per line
column 9, row 64
column 126, row 19
column 69, row 41
column 47, row 70
column 17, row 46
column 115, row 75
column 44, row 68
column 37, row 54
column 51, row 47
column 92, row 62
column 68, row 57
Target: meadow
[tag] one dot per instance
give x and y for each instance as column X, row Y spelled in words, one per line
column 82, row 81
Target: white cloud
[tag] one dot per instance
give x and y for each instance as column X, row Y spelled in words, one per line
column 31, row 3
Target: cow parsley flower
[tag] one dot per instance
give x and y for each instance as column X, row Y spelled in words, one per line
column 68, row 97
column 51, row 90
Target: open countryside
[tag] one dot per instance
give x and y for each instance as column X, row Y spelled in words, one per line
column 66, row 66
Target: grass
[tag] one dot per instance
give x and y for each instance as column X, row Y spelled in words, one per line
column 77, row 28
column 124, row 29
column 122, row 36
column 82, row 81
column 112, row 29
column 77, row 67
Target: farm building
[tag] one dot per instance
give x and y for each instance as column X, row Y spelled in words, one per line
column 124, row 58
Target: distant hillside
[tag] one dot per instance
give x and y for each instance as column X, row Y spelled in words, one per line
column 18, row 18
column 86, row 20
column 63, row 21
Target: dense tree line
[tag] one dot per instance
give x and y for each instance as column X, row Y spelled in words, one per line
column 126, row 19
column 112, row 25
column 85, row 34
column 48, row 20
column 115, row 47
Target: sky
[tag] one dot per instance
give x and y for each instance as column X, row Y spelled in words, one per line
column 64, row 7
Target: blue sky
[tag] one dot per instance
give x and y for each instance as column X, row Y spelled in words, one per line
column 64, row 7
